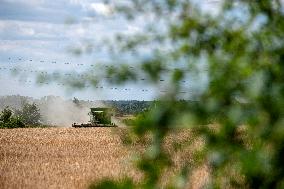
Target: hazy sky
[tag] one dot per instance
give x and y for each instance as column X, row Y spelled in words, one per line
column 36, row 36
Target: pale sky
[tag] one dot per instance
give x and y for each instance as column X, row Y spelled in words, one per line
column 35, row 34
column 35, row 37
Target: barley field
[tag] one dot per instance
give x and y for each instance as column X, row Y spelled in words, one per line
column 60, row 157
column 72, row 158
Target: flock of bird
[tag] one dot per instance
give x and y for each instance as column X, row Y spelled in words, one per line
column 74, row 75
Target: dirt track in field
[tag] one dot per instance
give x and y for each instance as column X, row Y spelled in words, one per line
column 60, row 157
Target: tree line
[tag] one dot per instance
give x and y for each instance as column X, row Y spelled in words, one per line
column 28, row 116
column 23, row 111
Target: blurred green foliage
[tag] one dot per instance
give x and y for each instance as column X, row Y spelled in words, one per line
column 239, row 114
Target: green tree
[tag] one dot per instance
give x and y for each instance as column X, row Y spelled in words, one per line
column 6, row 115
column 30, row 114
column 8, row 120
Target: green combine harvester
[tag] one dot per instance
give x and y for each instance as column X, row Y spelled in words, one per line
column 99, row 117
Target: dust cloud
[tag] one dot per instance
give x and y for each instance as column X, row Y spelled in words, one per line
column 59, row 112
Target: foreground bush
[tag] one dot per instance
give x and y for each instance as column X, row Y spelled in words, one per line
column 237, row 55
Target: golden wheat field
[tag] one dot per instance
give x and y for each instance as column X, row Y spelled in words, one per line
column 67, row 158
column 59, row 157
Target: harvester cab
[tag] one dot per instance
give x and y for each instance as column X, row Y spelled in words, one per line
column 99, row 117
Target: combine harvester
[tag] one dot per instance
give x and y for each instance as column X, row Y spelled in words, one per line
column 99, row 117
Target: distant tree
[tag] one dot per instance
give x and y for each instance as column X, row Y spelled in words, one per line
column 129, row 107
column 8, row 120
column 6, row 115
column 30, row 114
column 76, row 101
